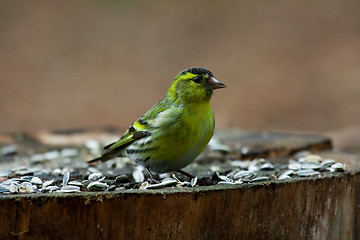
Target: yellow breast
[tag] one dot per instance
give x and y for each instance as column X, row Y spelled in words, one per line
column 184, row 140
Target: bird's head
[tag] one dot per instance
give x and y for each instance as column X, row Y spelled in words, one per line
column 193, row 85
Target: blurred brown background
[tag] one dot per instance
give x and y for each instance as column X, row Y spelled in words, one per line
column 289, row 65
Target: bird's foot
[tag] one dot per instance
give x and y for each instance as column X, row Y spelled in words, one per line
column 186, row 174
column 153, row 179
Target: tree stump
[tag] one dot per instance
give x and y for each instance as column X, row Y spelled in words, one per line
column 310, row 208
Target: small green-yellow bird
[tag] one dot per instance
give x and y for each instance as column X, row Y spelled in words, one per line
column 173, row 132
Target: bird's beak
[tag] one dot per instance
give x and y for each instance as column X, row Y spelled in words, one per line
column 214, row 84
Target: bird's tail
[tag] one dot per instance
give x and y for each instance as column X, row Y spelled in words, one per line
column 107, row 156
column 94, row 160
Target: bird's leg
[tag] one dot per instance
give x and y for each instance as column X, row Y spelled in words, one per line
column 153, row 179
column 186, row 174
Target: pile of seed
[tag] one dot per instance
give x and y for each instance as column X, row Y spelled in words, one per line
column 115, row 178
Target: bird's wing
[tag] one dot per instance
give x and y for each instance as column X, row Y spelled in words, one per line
column 140, row 129
column 114, row 149
column 129, row 136
column 143, row 125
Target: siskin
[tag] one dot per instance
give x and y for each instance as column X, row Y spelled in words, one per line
column 174, row 131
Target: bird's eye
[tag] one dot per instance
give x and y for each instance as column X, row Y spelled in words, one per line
column 197, row 79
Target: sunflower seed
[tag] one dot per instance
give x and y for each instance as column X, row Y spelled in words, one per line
column 13, row 188
column 241, row 164
column 4, row 172
column 288, row 172
column 51, row 155
column 23, row 172
column 8, row 150
column 26, row 178
column 4, row 190
column 244, row 150
column 243, row 174
column 47, row 183
column 294, row 165
column 225, row 178
column 338, row 167
column 258, row 179
column 51, row 188
column 37, row 158
column 20, row 180
column 93, row 146
column 96, row 177
column 167, row 182
column 69, row 189
column 215, row 145
column 310, row 165
column 302, row 154
column 169, row 179
column 69, row 152
column 253, row 166
column 193, row 181
column 266, row 166
column 97, row 186
column 122, row 179
column 66, row 178
column 256, row 164
column 283, row 176
column 144, row 186
column 138, row 174
column 56, row 172
column 215, row 176
column 307, row 173
column 75, row 183
column 327, row 163
column 36, row 180
column 310, row 159
column 27, row 187
column 7, row 183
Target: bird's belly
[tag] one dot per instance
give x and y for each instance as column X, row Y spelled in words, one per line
column 180, row 145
